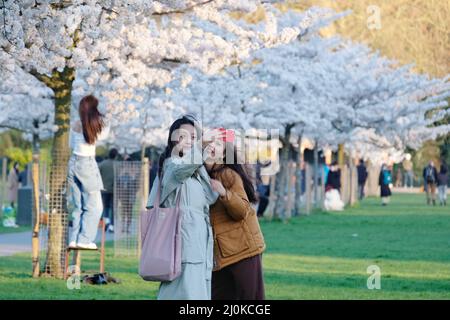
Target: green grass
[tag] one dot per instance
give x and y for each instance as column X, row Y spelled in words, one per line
column 321, row 256
column 4, row 230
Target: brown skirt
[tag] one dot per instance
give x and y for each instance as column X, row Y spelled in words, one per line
column 242, row 280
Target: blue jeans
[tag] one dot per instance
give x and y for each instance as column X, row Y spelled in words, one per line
column 409, row 178
column 84, row 198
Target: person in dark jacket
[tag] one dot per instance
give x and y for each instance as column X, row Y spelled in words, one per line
column 362, row 177
column 430, row 182
column 334, row 178
column 262, row 189
column 385, row 181
column 106, row 168
column 442, row 183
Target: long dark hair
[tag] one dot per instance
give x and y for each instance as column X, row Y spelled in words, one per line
column 15, row 167
column 171, row 143
column 240, row 169
column 91, row 118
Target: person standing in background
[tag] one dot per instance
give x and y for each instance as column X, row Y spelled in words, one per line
column 262, row 190
column 362, row 177
column 398, row 177
column 106, row 168
column 442, row 183
column 430, row 182
column 326, row 169
column 23, row 177
column 13, row 184
column 408, row 168
column 334, row 178
column 385, row 182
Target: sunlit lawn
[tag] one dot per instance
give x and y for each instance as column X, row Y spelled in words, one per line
column 321, row 256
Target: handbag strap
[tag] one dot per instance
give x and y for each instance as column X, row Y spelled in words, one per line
column 158, row 194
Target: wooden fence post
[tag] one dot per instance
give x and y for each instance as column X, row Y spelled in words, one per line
column 308, row 192
column 36, row 216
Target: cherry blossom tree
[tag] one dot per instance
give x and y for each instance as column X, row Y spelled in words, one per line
column 330, row 91
column 126, row 46
column 26, row 105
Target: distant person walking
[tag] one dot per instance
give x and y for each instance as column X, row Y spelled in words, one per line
column 430, row 182
column 408, row 168
column 385, row 182
column 106, row 168
column 442, row 183
column 362, row 177
column 13, row 184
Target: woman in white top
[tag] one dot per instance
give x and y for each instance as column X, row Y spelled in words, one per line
column 84, row 179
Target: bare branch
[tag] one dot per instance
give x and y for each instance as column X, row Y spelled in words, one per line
column 189, row 8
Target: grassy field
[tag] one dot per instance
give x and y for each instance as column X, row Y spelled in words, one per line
column 321, row 256
column 4, row 230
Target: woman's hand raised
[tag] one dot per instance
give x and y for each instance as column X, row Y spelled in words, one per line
column 217, row 186
column 210, row 135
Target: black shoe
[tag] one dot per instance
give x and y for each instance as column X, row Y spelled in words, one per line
column 98, row 278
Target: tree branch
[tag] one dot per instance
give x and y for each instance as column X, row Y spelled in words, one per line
column 189, row 8
column 41, row 77
column 4, row 23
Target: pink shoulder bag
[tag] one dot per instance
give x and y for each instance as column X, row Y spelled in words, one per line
column 161, row 242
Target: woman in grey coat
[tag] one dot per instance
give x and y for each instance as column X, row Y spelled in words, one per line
column 182, row 170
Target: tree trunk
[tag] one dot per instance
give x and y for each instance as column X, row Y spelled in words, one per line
column 268, row 213
column 316, row 175
column 3, row 183
column 308, row 189
column 341, row 156
column 61, row 84
column 298, row 178
column 281, row 180
column 291, row 190
column 353, row 183
column 36, row 217
column 35, row 143
column 143, row 153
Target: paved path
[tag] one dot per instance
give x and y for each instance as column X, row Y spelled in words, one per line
column 12, row 243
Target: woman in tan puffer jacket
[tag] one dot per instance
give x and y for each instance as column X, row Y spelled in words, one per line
column 238, row 240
